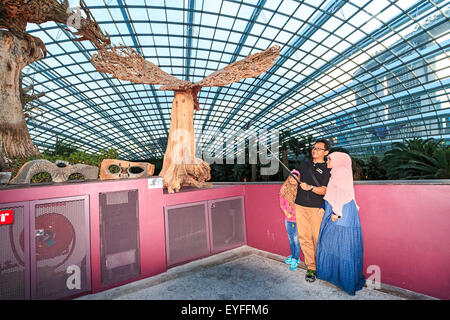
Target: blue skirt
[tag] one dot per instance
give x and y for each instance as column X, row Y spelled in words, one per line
column 339, row 258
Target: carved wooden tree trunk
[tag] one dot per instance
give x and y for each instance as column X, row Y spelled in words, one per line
column 253, row 172
column 180, row 166
column 15, row 54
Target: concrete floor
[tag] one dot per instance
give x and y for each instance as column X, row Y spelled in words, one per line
column 243, row 273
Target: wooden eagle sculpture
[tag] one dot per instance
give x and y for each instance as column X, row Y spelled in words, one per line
column 180, row 166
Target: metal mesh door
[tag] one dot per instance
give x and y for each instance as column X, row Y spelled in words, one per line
column 119, row 231
column 227, row 223
column 14, row 255
column 186, row 232
column 60, row 248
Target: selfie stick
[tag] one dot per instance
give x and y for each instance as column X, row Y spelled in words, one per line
column 282, row 164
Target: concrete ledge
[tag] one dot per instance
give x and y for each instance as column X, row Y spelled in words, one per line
column 71, row 182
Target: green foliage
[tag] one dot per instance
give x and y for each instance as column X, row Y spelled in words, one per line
column 62, row 148
column 114, row 169
column 241, row 172
column 16, row 163
column 375, row 169
column 66, row 152
column 412, row 159
column 223, row 172
column 359, row 169
column 296, row 146
column 284, row 137
column 41, row 177
column 306, row 146
column 418, row 159
column 216, row 172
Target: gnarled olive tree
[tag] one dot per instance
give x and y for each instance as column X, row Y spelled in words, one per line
column 19, row 49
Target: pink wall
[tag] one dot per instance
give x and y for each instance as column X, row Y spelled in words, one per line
column 151, row 215
column 264, row 219
column 406, row 228
column 406, row 232
column 151, row 220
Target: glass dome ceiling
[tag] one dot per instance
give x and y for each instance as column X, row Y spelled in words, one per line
column 362, row 73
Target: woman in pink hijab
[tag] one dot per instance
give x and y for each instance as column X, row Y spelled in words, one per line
column 339, row 256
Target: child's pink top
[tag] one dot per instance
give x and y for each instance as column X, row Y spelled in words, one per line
column 285, row 205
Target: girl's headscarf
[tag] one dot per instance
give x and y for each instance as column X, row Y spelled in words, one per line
column 340, row 189
column 289, row 191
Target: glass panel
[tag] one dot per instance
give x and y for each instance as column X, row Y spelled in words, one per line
column 329, row 51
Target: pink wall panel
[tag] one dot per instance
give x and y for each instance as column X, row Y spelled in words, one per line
column 151, row 219
column 406, row 228
column 265, row 220
column 406, row 232
column 151, row 226
column 96, row 280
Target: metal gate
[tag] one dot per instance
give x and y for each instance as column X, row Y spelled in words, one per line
column 196, row 230
column 45, row 252
column 119, row 236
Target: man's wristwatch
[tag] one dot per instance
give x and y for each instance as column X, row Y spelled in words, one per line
column 310, row 188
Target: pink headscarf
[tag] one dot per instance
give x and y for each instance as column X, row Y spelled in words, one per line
column 340, row 187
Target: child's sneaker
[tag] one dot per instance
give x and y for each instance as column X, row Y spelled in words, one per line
column 294, row 263
column 288, row 260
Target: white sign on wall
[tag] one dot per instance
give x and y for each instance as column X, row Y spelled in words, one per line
column 154, row 183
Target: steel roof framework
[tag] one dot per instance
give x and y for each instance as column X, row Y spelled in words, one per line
column 362, row 73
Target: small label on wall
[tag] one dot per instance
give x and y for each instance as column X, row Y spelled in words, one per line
column 154, row 183
column 6, row 217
